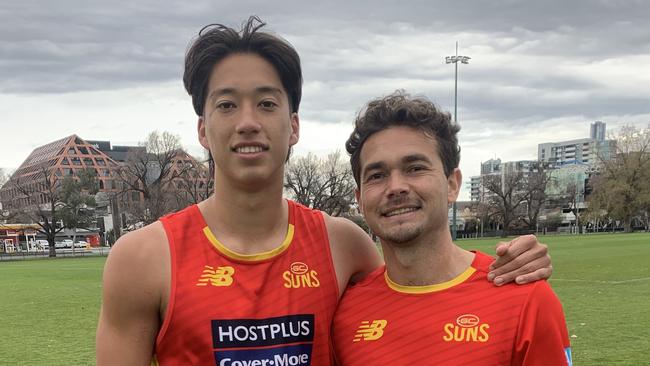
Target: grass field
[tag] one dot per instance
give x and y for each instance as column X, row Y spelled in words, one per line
column 50, row 307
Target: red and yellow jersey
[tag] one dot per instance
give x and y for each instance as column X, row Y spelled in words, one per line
column 466, row 321
column 228, row 309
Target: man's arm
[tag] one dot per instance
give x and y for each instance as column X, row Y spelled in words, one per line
column 522, row 259
column 132, row 290
column 353, row 252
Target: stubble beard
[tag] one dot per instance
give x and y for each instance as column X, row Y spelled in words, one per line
column 401, row 235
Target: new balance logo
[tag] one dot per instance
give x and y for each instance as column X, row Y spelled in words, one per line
column 222, row 276
column 370, row 331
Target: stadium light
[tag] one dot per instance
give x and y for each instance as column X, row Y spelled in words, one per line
column 455, row 60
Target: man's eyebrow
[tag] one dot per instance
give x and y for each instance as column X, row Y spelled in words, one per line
column 373, row 166
column 415, row 157
column 259, row 90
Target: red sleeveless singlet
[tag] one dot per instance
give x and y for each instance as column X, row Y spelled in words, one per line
column 228, row 309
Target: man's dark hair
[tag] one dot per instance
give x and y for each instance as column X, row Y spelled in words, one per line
column 216, row 42
column 400, row 109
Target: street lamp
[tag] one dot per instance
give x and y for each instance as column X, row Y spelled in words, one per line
column 454, row 60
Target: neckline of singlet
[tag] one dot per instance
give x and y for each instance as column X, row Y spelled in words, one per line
column 430, row 288
column 256, row 257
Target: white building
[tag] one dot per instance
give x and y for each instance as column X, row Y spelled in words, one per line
column 581, row 151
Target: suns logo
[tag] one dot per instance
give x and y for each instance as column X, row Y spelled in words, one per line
column 299, row 276
column 467, row 328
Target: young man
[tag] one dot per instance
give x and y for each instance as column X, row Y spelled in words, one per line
column 431, row 303
column 245, row 277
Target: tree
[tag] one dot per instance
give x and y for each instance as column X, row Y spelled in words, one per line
column 535, row 196
column 77, row 201
column 194, row 183
column 506, row 194
column 324, row 184
column 4, row 178
column 622, row 188
column 42, row 193
column 147, row 178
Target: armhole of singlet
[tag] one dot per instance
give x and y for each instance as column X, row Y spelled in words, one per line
column 328, row 248
column 172, row 289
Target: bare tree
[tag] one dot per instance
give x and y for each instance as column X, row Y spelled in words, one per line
column 194, row 183
column 42, row 195
column 146, row 179
column 506, row 194
column 622, row 188
column 3, row 177
column 324, row 184
column 535, row 195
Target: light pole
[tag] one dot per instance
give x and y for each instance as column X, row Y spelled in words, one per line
column 454, row 60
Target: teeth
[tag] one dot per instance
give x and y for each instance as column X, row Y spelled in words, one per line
column 401, row 211
column 249, row 149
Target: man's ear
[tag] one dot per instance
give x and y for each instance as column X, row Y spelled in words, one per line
column 200, row 128
column 357, row 195
column 295, row 129
column 454, row 182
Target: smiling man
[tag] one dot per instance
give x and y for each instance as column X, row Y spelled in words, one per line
column 246, row 276
column 431, row 304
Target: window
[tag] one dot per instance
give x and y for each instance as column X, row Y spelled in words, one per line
column 94, row 151
column 100, row 162
column 76, row 161
column 88, row 161
column 65, row 161
column 83, row 150
column 72, row 151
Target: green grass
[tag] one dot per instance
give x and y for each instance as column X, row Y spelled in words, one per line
column 49, row 308
column 48, row 311
column 603, row 281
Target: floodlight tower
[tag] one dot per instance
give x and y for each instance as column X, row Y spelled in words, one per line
column 455, row 60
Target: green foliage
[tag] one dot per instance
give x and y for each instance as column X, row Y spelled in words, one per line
column 77, row 199
column 622, row 191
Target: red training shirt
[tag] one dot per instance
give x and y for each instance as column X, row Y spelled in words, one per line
column 466, row 321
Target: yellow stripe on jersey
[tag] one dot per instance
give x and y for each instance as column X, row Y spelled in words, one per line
column 430, row 288
column 249, row 257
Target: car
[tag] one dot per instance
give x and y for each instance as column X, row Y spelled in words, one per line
column 67, row 243
column 42, row 245
column 81, row 244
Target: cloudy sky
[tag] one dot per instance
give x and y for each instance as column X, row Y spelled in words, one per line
column 540, row 71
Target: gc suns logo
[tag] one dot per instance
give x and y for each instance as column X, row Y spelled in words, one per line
column 299, row 276
column 467, row 328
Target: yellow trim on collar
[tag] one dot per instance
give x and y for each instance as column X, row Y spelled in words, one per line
column 430, row 288
column 249, row 257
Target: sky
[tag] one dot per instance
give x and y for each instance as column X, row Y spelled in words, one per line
column 540, row 71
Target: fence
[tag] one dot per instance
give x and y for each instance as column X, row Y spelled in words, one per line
column 60, row 253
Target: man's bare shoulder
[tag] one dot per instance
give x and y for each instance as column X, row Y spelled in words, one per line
column 135, row 289
column 141, row 256
column 353, row 252
column 144, row 241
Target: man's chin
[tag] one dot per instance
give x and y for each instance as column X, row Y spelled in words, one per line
column 401, row 236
